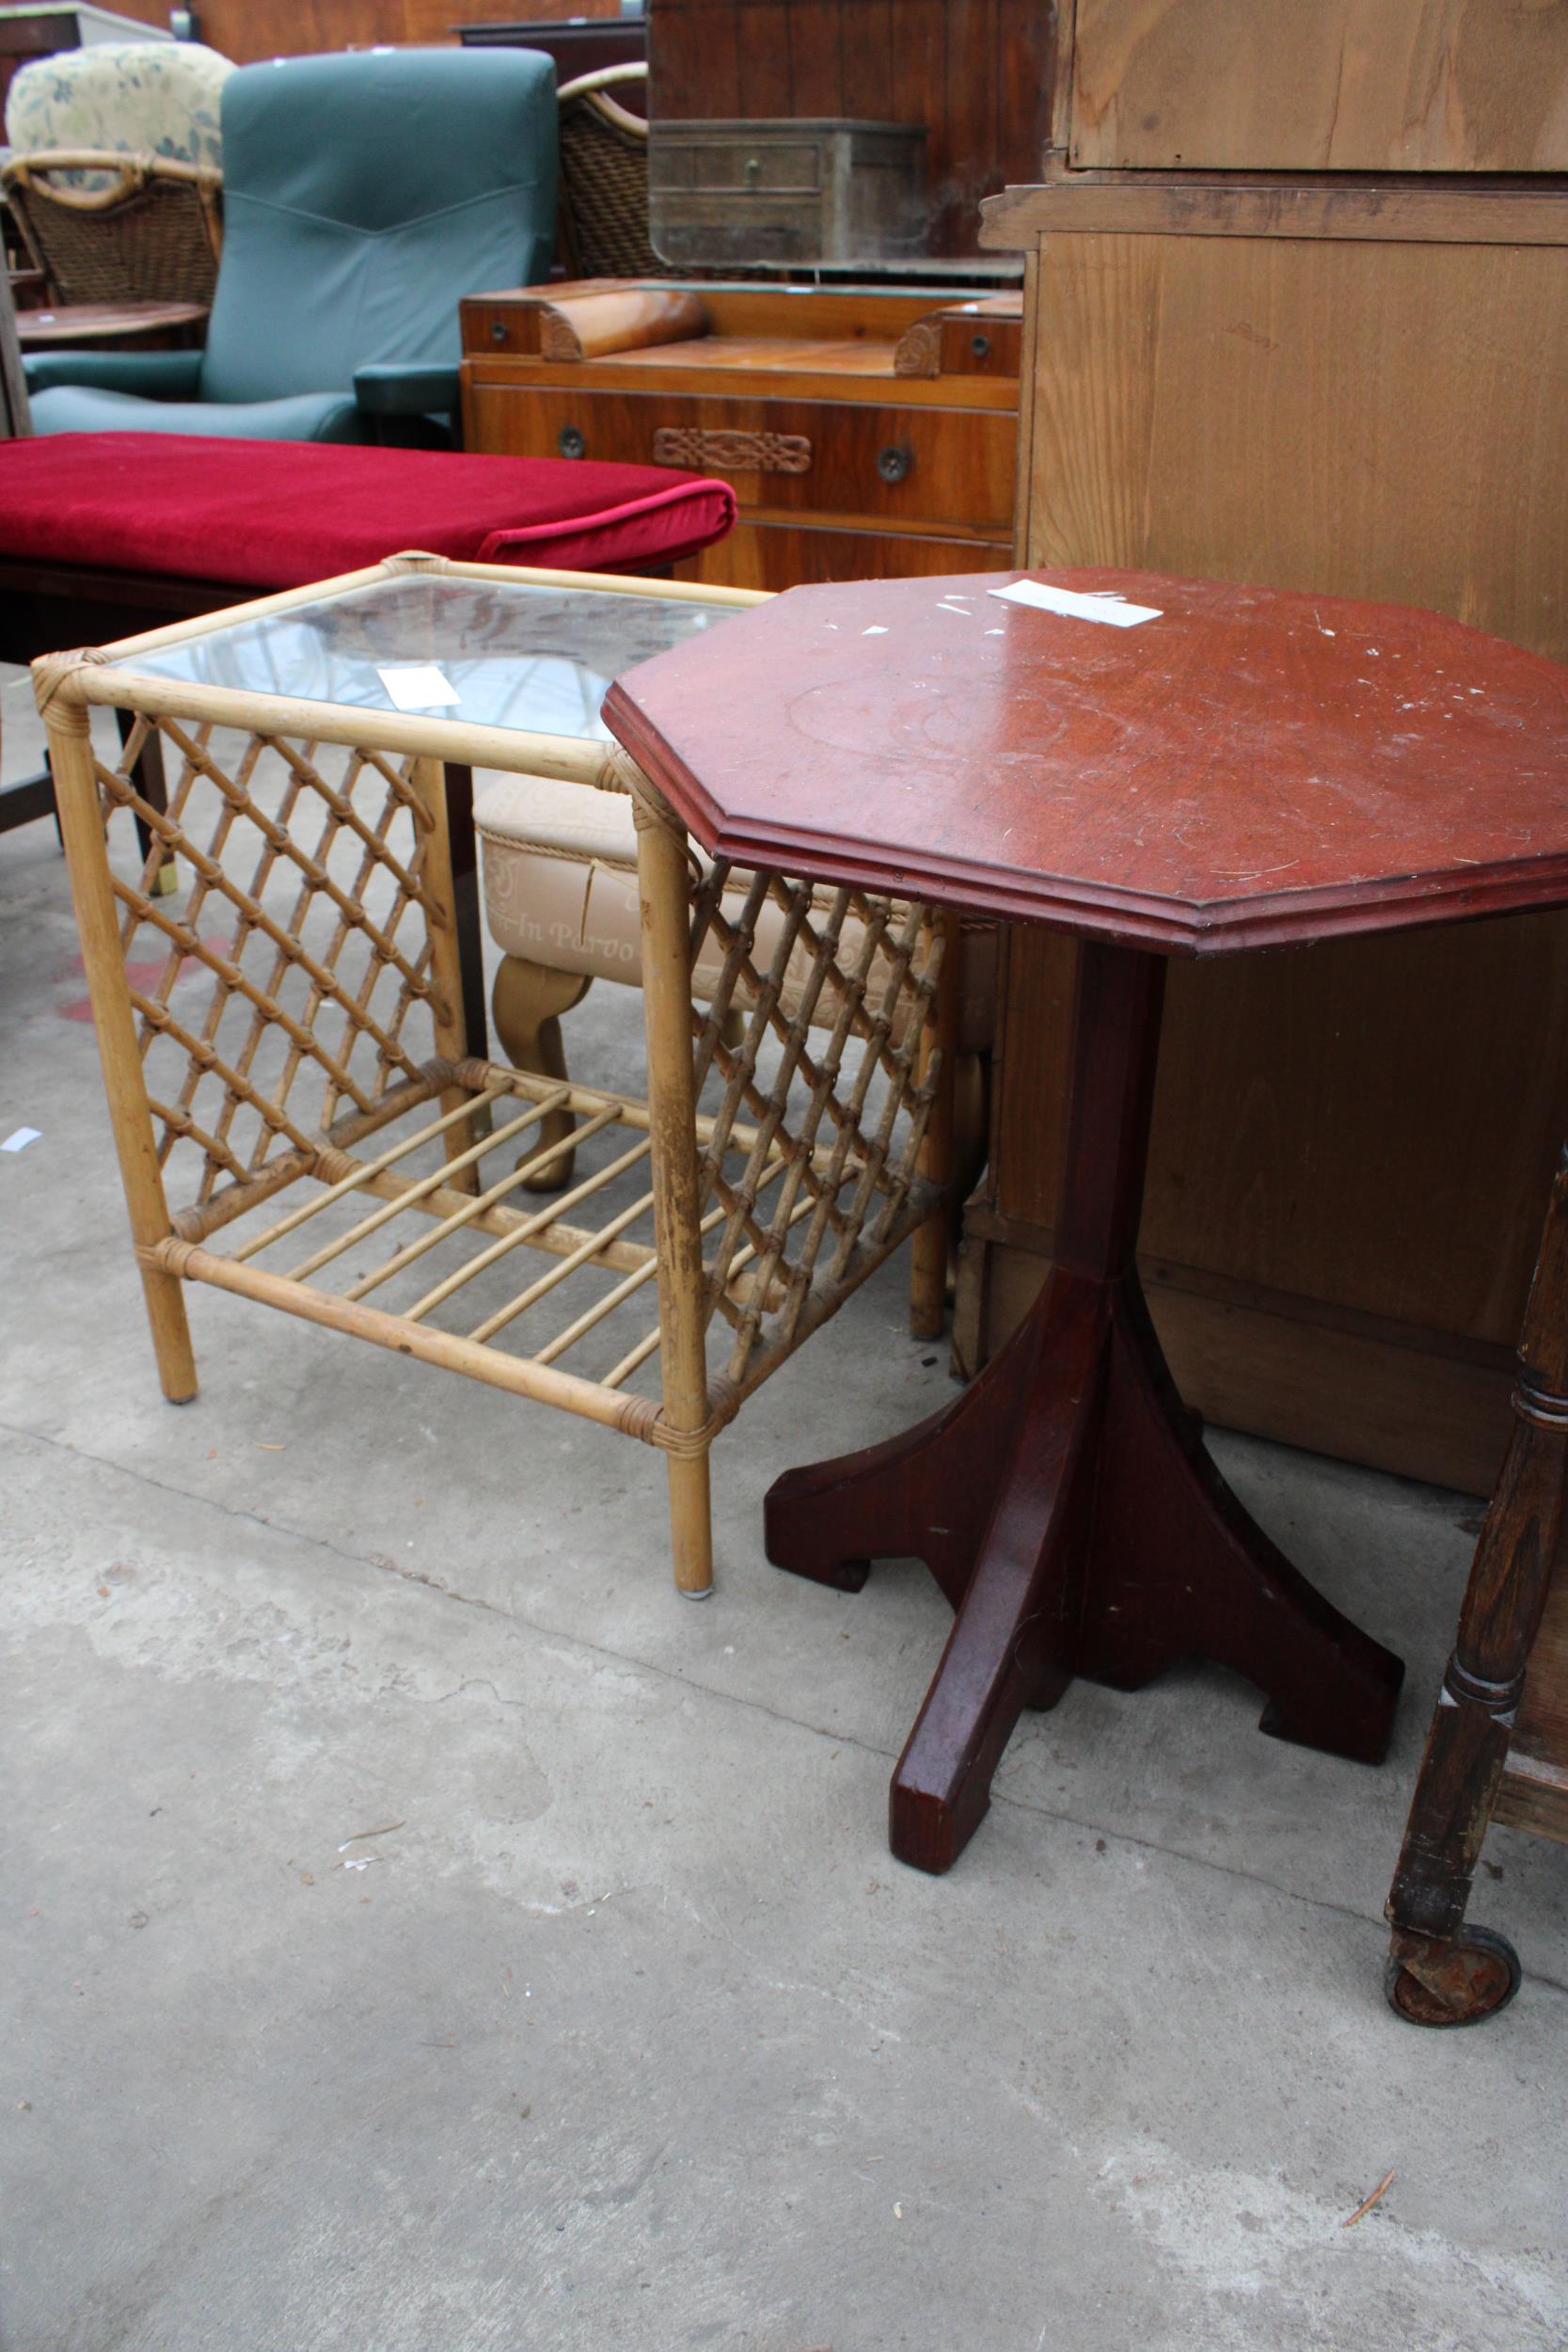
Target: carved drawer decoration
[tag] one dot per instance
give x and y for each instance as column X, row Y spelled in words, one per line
column 723, row 451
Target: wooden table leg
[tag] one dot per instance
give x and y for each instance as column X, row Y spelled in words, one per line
column 464, row 885
column 1065, row 1502
column 150, row 782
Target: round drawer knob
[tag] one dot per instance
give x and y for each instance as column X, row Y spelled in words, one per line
column 980, row 346
column 571, row 441
column 896, row 462
column 498, row 330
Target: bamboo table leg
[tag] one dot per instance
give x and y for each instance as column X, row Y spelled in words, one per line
column 1065, row 1502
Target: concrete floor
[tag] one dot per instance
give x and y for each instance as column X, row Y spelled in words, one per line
column 629, row 2033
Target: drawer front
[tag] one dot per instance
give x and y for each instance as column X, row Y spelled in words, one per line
column 743, row 170
column 902, row 466
column 708, row 228
column 788, row 555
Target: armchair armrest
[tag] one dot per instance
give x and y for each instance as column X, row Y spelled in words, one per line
column 153, row 374
column 395, row 388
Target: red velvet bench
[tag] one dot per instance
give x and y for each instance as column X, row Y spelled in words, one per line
column 103, row 535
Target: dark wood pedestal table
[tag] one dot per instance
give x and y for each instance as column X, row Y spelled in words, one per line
column 1251, row 768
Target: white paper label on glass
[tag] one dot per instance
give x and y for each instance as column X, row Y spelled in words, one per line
column 423, row 686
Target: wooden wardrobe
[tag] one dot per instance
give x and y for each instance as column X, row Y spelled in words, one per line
column 1297, row 312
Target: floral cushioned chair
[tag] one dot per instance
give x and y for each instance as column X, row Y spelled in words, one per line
column 141, row 96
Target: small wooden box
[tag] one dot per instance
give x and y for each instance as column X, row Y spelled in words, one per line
column 722, row 194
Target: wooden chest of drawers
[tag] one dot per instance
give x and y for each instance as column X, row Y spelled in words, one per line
column 866, row 434
column 725, row 195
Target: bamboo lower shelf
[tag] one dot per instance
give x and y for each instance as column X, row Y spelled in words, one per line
column 415, row 1217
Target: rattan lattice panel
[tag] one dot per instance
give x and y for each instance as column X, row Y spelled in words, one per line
column 295, row 978
column 829, row 1065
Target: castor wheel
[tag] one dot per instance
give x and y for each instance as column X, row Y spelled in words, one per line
column 1482, row 1969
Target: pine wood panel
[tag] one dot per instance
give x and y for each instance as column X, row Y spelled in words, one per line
column 1266, row 1364
column 1314, row 414
column 978, row 73
column 1321, row 84
column 1418, row 208
column 1304, row 1146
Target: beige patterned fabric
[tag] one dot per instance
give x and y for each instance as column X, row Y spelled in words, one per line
column 561, row 889
column 581, row 914
column 142, row 97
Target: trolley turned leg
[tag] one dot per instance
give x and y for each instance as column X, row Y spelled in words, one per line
column 1441, row 1970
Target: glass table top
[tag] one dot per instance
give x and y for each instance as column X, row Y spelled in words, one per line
column 483, row 652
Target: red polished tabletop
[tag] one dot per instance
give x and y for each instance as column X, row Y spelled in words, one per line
column 1254, row 766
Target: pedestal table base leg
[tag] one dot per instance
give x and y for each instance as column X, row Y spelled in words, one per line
column 1065, row 1502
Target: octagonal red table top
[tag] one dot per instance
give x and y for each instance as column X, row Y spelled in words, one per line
column 1254, row 766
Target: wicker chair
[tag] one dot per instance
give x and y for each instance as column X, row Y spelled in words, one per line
column 148, row 232
column 146, row 96
column 15, row 421
column 603, row 211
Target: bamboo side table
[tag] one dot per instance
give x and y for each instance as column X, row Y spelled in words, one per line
column 1248, row 769
column 302, row 1116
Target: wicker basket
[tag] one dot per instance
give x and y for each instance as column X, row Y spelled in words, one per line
column 151, row 234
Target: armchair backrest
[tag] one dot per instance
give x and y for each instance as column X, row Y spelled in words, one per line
column 363, row 195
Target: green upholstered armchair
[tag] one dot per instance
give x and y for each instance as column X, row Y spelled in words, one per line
column 362, row 196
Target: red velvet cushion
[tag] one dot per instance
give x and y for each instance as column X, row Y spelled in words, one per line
column 280, row 514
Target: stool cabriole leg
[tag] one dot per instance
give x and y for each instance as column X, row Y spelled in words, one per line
column 1441, row 1971
column 114, row 1020
column 661, row 872
column 528, row 1001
